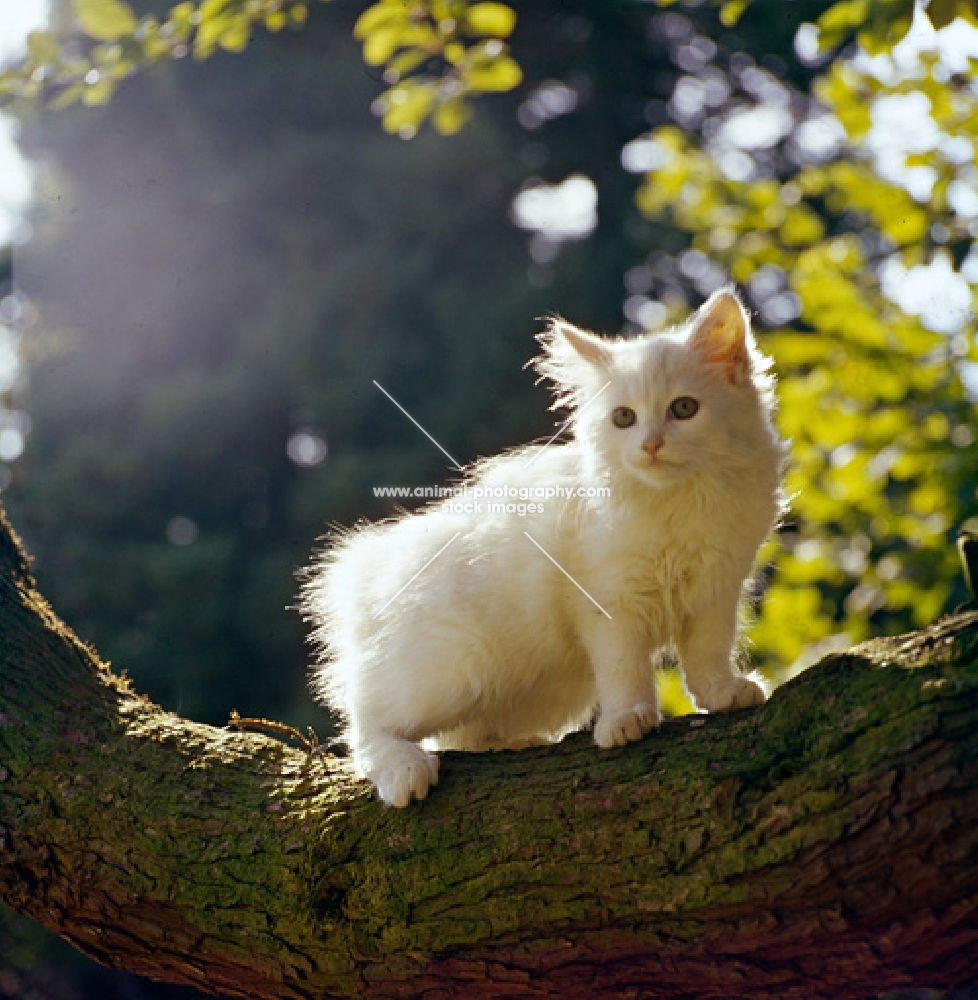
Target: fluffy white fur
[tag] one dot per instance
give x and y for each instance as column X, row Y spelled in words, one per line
column 492, row 645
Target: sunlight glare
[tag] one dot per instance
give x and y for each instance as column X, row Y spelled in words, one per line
column 935, row 292
column 565, row 211
column 9, row 364
column 17, row 20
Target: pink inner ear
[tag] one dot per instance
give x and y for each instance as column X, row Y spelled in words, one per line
column 720, row 334
column 732, row 355
column 719, row 344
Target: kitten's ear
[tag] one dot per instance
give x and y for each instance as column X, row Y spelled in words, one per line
column 571, row 359
column 588, row 347
column 721, row 333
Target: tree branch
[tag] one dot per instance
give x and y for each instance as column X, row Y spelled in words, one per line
column 824, row 844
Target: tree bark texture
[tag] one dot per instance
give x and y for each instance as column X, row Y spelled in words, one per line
column 822, row 845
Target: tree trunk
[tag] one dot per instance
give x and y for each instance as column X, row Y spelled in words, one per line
column 824, row 844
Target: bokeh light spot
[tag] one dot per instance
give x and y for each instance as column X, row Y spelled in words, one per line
column 182, row 531
column 307, row 449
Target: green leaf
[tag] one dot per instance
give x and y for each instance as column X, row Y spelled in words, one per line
column 42, row 47
column 884, row 33
column 105, row 20
column 494, row 19
column 98, row 94
column 68, row 96
column 943, row 12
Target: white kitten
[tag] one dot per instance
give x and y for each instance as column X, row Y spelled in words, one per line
column 472, row 630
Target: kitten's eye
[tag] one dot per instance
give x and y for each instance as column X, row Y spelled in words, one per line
column 684, row 407
column 623, row 416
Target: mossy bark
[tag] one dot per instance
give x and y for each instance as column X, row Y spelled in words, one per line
column 825, row 844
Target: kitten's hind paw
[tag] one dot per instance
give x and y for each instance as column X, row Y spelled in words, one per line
column 615, row 729
column 402, row 771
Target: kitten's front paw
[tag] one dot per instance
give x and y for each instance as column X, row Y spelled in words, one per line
column 615, row 729
column 738, row 692
column 406, row 772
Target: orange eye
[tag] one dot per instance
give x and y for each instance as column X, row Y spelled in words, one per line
column 623, row 416
column 684, row 407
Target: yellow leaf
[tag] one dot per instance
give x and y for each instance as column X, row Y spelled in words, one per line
column 836, row 23
column 105, row 20
column 211, row 7
column 495, row 19
column 209, row 35
column 381, row 15
column 450, row 116
column 673, row 699
column 731, row 11
column 801, row 226
column 928, row 498
column 935, row 427
column 498, row 74
column 235, row 36
column 382, row 43
column 179, row 20
column 407, row 107
column 454, row 52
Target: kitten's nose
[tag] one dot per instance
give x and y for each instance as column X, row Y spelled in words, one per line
column 652, row 444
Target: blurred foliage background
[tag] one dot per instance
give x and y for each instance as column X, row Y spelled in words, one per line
column 230, row 240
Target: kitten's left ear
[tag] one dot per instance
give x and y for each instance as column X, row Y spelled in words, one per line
column 589, row 348
column 571, row 359
column 721, row 334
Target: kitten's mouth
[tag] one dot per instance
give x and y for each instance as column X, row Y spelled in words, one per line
column 653, row 469
column 658, row 462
